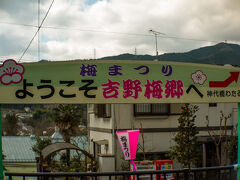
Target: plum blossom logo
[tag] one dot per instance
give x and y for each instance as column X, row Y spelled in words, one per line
column 11, row 72
column 198, row 77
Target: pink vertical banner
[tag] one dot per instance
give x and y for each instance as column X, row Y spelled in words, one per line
column 128, row 141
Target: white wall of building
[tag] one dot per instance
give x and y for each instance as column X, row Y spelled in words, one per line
column 100, row 122
column 157, row 140
column 98, row 136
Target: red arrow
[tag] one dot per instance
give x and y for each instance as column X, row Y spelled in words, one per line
column 233, row 77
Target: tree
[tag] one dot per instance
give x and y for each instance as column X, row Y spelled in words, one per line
column 67, row 118
column 42, row 118
column 221, row 137
column 41, row 143
column 233, row 146
column 10, row 125
column 139, row 145
column 3, row 157
column 186, row 149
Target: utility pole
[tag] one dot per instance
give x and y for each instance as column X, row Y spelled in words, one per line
column 156, row 33
column 94, row 53
column 39, row 30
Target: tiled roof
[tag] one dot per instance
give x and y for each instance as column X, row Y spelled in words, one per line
column 19, row 148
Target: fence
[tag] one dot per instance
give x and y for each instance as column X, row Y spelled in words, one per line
column 209, row 173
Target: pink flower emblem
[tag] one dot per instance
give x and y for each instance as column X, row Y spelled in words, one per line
column 198, row 77
column 11, row 72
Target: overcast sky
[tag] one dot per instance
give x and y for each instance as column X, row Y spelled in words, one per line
column 74, row 28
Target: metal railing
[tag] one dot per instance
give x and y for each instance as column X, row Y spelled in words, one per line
column 209, row 173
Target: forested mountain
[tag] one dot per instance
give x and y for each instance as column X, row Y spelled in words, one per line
column 222, row 53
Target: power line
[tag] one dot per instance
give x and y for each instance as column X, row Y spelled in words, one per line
column 112, row 32
column 18, row 24
column 36, row 31
column 96, row 31
column 131, row 34
column 189, row 39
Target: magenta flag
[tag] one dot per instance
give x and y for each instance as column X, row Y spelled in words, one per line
column 128, row 141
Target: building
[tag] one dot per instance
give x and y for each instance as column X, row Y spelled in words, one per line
column 19, row 156
column 159, row 124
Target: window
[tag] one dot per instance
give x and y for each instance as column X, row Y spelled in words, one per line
column 151, row 109
column 212, row 104
column 103, row 110
column 99, row 149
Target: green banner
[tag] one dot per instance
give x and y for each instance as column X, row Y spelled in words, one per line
column 117, row 82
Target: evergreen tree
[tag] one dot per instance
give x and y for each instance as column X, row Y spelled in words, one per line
column 67, row 118
column 186, row 150
column 41, row 143
column 42, row 119
column 10, row 125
